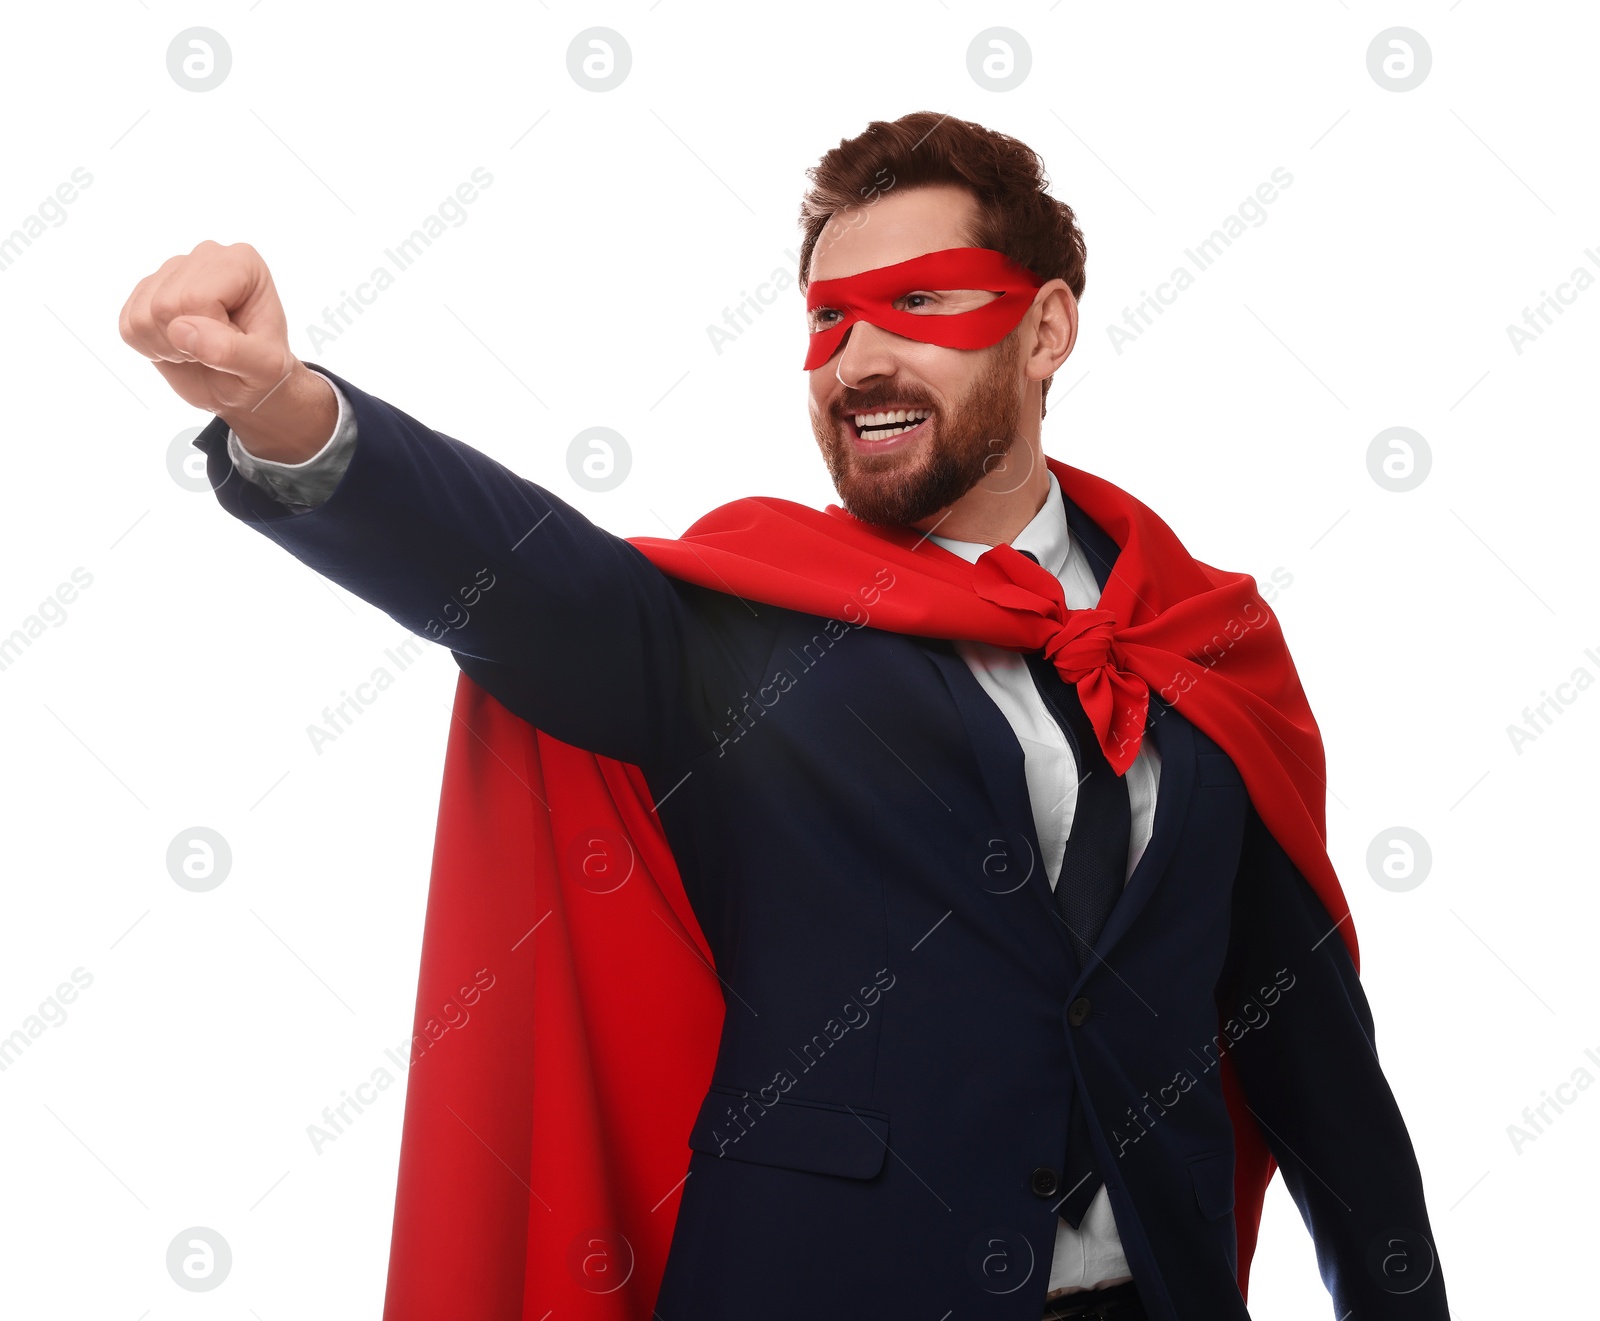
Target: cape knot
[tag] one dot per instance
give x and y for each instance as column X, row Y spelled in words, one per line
column 1085, row 642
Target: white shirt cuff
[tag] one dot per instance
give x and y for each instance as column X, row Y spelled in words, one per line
column 310, row 482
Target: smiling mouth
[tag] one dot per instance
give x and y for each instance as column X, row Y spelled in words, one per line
column 887, row 425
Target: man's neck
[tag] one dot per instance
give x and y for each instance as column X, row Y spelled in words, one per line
column 998, row 506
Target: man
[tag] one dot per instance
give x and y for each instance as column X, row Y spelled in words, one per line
column 1004, row 1133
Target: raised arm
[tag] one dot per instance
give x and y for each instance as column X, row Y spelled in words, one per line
column 566, row 624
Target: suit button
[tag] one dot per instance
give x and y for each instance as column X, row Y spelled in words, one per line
column 1043, row 1181
column 1078, row 1011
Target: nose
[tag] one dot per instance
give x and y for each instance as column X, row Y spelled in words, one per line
column 868, row 353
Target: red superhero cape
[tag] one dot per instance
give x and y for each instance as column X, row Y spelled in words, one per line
column 567, row 1013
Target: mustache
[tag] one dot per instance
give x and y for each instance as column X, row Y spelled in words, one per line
column 848, row 407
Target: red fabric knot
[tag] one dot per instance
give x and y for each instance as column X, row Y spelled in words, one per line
column 1083, row 643
column 1082, row 646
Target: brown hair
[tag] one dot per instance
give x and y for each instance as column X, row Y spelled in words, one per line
column 1016, row 215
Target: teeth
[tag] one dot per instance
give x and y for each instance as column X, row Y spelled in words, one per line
column 892, row 431
column 912, row 415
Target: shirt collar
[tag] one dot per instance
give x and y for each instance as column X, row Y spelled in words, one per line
column 1046, row 536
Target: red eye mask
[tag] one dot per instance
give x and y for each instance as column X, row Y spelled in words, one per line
column 868, row 295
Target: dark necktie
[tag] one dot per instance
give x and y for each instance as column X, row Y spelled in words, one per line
column 1093, row 870
column 1095, row 863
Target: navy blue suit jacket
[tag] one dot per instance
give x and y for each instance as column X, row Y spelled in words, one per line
column 906, row 1021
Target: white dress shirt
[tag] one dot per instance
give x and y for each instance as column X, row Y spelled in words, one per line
column 1090, row 1256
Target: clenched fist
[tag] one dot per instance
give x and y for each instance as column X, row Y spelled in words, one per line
column 212, row 325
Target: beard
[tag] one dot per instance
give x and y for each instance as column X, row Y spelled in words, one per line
column 955, row 452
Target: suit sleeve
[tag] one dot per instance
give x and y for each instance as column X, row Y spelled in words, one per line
column 567, row 625
column 1308, row 1065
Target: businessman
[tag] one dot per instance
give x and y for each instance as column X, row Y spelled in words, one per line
column 1033, row 1113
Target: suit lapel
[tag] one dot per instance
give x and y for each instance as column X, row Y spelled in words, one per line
column 1174, row 738
column 1000, row 761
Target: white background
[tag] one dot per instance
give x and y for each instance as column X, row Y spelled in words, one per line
column 178, row 689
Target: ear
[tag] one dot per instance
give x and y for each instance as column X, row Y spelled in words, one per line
column 1055, row 329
